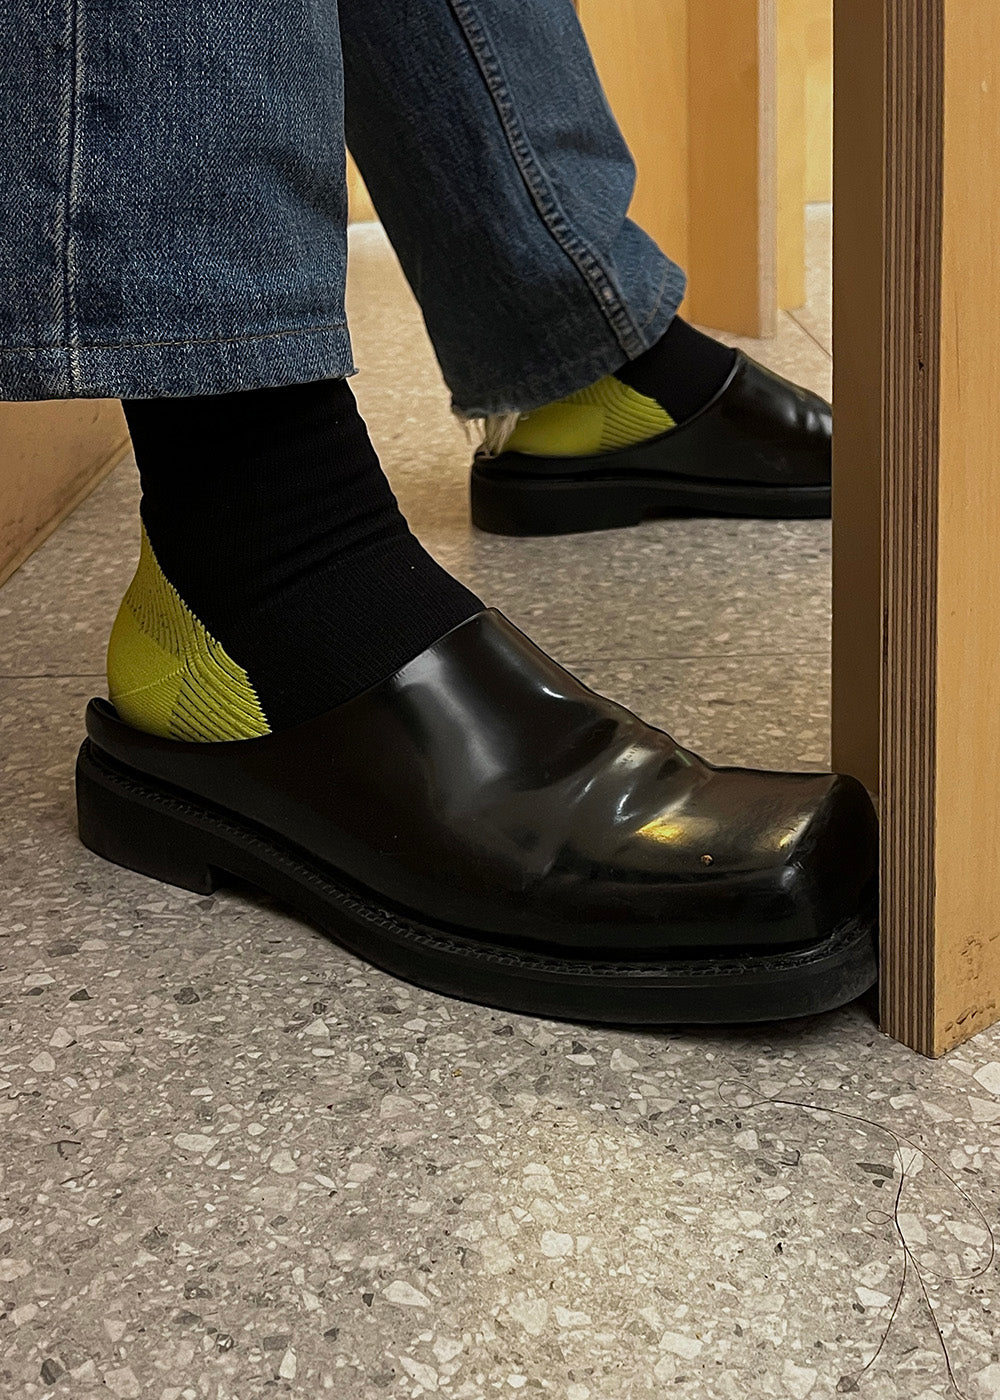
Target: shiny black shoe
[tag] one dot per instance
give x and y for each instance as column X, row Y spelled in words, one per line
column 761, row 447
column 484, row 825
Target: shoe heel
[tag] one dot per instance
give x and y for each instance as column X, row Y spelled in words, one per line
column 539, row 505
column 132, row 825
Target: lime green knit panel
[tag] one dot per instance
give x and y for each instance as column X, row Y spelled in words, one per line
column 167, row 674
column 601, row 418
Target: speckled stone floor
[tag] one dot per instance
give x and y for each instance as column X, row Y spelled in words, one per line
column 237, row 1163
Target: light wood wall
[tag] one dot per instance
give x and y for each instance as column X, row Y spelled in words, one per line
column 733, row 170
column 693, row 88
column 792, row 152
column 727, row 109
column 640, row 48
column 963, row 984
column 819, row 99
column 52, row 454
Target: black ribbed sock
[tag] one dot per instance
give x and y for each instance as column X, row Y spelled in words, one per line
column 683, row 371
column 269, row 514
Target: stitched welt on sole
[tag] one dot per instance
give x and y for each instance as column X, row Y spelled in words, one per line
column 172, row 837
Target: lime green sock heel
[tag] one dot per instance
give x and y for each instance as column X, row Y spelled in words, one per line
column 167, row 674
column 601, row 418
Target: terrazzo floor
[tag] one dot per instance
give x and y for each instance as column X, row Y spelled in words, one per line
column 235, row 1162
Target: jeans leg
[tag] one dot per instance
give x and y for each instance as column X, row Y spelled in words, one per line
column 173, row 194
column 502, row 179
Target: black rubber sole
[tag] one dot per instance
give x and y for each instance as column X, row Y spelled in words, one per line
column 507, row 503
column 127, row 819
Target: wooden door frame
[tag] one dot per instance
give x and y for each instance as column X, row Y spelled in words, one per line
column 916, row 659
column 916, row 641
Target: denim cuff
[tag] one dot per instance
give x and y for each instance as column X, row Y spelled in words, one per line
column 178, row 368
column 586, row 356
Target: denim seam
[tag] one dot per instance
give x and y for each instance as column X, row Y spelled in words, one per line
column 61, row 314
column 588, row 264
column 150, row 344
column 661, row 292
column 73, row 33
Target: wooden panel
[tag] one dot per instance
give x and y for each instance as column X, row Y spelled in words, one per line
column 733, row 165
column 818, row 16
column 791, row 81
column 52, row 454
column 917, row 488
column 965, row 980
column 694, row 89
column 640, row 50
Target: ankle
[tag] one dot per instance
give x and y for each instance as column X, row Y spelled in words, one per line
column 278, row 577
column 664, row 387
column 601, row 418
column 683, row 371
column 167, row 674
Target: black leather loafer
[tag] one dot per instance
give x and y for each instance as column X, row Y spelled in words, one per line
column 484, row 825
column 761, row 447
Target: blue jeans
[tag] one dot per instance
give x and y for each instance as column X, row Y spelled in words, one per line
column 174, row 203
